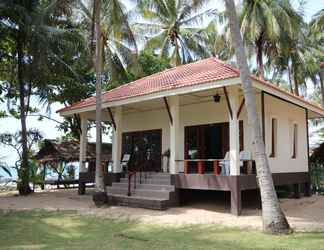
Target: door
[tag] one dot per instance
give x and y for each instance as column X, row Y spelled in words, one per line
column 144, row 148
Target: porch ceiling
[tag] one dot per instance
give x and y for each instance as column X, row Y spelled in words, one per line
column 186, row 99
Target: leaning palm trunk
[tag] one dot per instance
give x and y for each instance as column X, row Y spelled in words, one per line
column 274, row 221
column 321, row 77
column 100, row 195
column 23, row 184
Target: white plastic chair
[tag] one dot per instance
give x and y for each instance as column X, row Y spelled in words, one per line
column 225, row 165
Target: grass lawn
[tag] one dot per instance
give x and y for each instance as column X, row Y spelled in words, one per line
column 67, row 230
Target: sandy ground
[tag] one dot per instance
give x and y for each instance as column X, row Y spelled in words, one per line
column 303, row 214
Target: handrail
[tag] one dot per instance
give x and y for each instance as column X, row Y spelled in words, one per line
column 215, row 164
column 130, row 174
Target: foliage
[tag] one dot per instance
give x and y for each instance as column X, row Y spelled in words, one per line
column 267, row 25
column 14, row 141
column 118, row 41
column 148, row 64
column 172, row 29
column 5, row 169
column 316, row 172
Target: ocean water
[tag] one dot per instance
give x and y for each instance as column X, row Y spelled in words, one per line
column 49, row 173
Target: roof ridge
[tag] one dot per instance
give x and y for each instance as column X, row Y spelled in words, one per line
column 156, row 74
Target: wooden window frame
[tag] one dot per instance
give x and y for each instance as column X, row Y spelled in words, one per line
column 294, row 140
column 274, row 137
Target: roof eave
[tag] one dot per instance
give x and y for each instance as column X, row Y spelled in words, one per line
column 155, row 95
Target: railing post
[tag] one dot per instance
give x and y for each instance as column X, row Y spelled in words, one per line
column 185, row 167
column 216, row 167
column 129, row 185
column 200, row 167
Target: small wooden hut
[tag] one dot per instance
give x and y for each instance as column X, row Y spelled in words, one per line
column 54, row 153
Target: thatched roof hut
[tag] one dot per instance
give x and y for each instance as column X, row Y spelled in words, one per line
column 53, row 151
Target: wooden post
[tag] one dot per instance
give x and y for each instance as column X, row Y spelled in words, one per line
column 185, row 167
column 236, row 197
column 200, row 167
column 216, row 168
column 296, row 191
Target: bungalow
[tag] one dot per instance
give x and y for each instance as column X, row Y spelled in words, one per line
column 187, row 128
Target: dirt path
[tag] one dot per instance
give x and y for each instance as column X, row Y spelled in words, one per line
column 303, row 214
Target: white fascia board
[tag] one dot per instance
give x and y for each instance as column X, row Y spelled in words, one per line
column 287, row 97
column 160, row 94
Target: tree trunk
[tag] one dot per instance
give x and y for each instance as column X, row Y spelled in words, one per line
column 296, row 88
column 259, row 57
column 321, row 76
column 23, row 183
column 290, row 80
column 100, row 197
column 274, row 221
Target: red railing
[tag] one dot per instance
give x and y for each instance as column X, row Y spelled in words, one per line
column 201, row 163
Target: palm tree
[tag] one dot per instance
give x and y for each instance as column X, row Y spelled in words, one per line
column 31, row 27
column 316, row 34
column 119, row 49
column 219, row 44
column 264, row 22
column 170, row 28
column 100, row 196
column 274, row 221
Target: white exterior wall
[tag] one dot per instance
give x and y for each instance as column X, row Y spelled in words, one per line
column 286, row 114
column 155, row 119
column 194, row 114
column 210, row 112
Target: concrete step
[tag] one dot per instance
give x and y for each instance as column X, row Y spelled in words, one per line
column 136, row 201
column 161, row 194
column 145, row 186
column 157, row 181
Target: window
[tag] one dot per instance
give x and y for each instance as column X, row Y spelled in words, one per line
column 274, row 128
column 295, row 141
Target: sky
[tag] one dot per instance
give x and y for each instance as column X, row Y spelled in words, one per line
column 49, row 128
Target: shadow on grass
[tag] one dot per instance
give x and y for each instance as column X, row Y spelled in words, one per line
column 68, row 230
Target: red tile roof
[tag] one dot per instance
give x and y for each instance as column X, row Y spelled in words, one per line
column 200, row 72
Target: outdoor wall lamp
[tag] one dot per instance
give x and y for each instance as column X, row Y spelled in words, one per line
column 217, row 98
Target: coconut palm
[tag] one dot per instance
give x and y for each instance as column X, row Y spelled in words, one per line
column 119, row 49
column 33, row 30
column 316, row 34
column 274, row 220
column 171, row 28
column 263, row 23
column 219, row 43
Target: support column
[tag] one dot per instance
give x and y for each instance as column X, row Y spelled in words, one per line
column 83, row 154
column 174, row 133
column 234, row 133
column 236, row 197
column 83, row 145
column 117, row 140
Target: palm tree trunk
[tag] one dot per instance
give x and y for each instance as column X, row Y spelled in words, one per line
column 259, row 57
column 23, row 184
column 99, row 178
column 321, row 77
column 274, row 221
column 296, row 88
column 290, row 80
